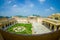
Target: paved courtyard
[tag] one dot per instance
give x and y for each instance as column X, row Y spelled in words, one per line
column 38, row 28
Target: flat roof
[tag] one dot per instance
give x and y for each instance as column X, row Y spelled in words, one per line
column 52, row 21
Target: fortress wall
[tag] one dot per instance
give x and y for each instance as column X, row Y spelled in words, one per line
column 49, row 36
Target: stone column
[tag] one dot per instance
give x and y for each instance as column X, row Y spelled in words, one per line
column 50, row 26
column 55, row 27
column 59, row 27
column 45, row 23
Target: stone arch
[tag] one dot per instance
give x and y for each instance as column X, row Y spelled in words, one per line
column 43, row 22
column 10, row 23
column 52, row 27
column 3, row 26
column 56, row 18
column 49, row 25
column 58, row 27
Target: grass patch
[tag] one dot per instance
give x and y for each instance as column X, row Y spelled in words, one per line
column 26, row 31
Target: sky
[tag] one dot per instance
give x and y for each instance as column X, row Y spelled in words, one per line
column 29, row 7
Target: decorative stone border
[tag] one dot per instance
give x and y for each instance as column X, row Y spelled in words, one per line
column 19, row 29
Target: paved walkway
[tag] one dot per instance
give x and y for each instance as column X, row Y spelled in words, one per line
column 39, row 28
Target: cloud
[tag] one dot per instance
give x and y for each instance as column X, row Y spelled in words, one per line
column 23, row 9
column 50, row 9
column 9, row 2
column 14, row 5
column 42, row 1
column 31, row 5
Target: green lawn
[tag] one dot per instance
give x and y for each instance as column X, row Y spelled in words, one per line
column 26, row 31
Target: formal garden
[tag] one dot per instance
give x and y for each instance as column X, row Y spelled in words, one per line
column 21, row 28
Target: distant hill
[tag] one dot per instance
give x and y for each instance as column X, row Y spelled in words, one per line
column 21, row 16
column 4, row 17
column 36, row 15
